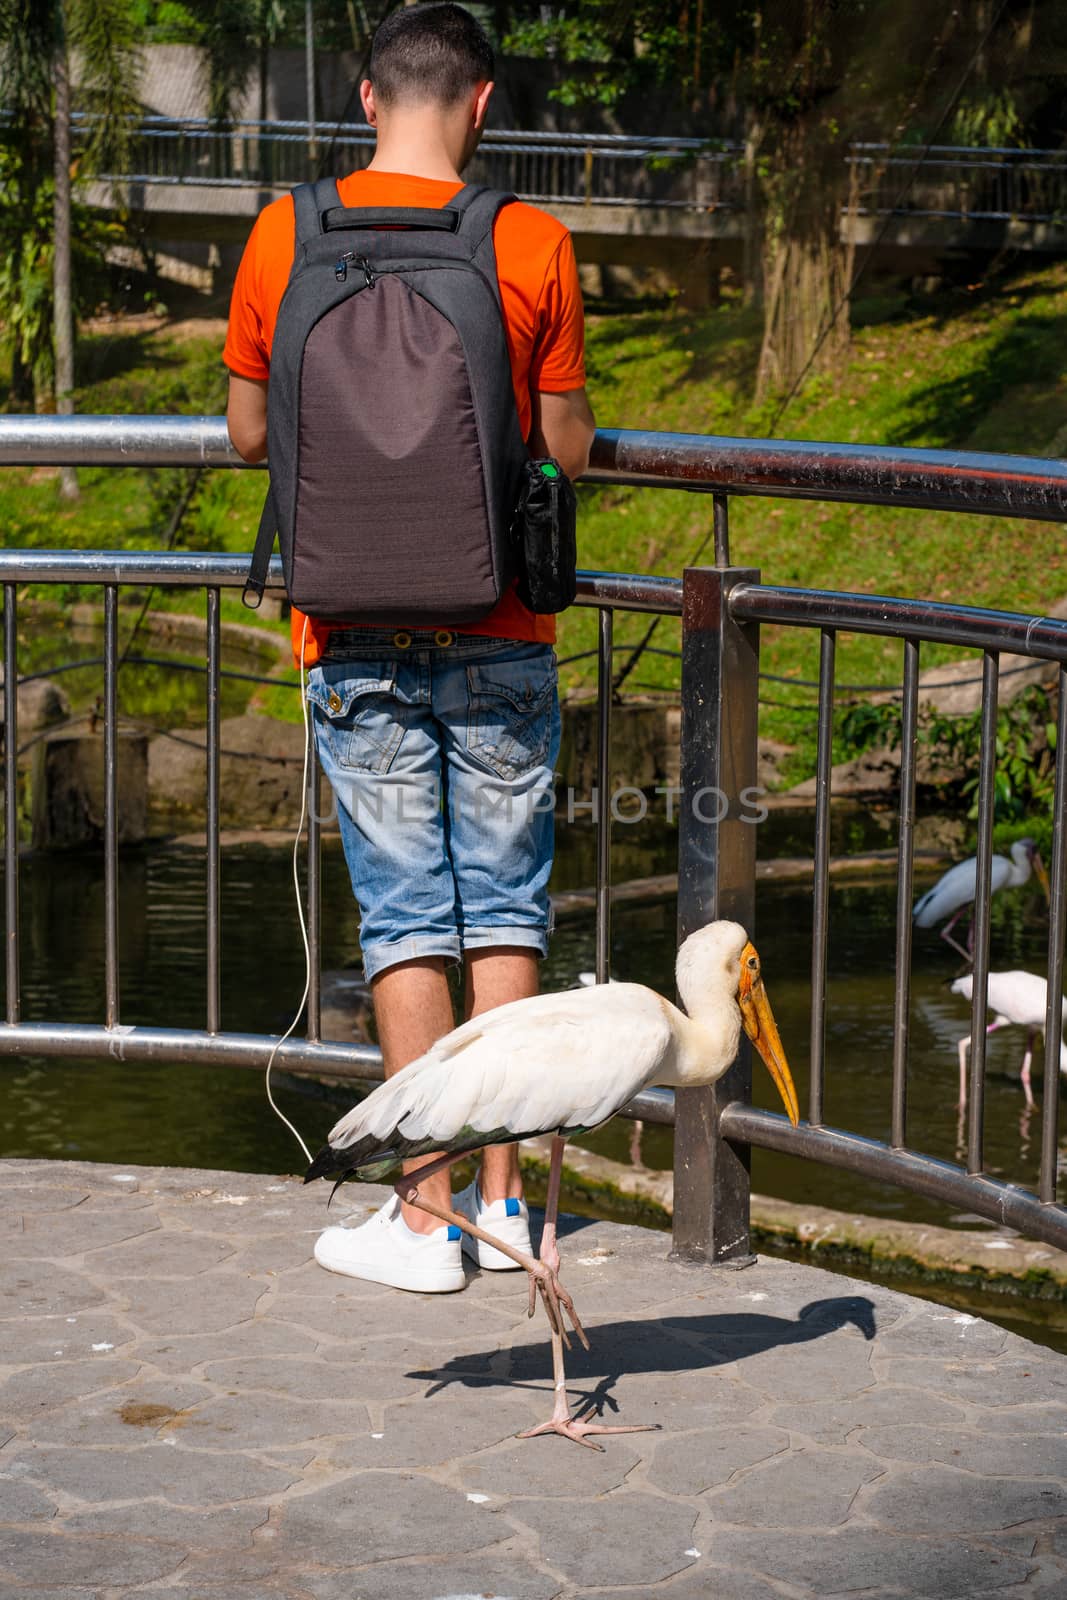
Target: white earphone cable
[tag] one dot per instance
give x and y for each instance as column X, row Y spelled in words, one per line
column 299, row 900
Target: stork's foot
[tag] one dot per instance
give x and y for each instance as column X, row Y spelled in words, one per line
column 574, row 1428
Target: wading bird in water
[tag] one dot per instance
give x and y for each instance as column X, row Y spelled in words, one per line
column 560, row 1064
column 1018, row 1000
column 956, row 889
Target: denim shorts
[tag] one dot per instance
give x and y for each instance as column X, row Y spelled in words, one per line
column 442, row 760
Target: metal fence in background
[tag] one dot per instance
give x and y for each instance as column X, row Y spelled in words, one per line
column 580, row 169
column 721, row 608
column 948, row 181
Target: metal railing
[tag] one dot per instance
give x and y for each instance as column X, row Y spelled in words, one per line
column 578, row 169
column 721, row 608
column 982, row 184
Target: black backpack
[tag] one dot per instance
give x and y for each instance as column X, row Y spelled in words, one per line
column 395, row 452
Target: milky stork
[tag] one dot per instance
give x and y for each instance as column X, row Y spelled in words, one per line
column 560, row 1064
column 956, row 889
column 1017, row 999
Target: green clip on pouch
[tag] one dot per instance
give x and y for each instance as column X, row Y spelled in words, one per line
column 545, row 521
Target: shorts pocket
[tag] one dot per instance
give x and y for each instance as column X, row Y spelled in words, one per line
column 356, row 718
column 509, row 721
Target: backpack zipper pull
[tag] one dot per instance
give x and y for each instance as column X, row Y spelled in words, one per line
column 368, row 273
column 340, row 270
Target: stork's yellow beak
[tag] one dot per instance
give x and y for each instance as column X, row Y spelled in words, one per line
column 1042, row 876
column 759, row 1023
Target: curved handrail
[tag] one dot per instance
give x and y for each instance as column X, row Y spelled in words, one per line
column 947, row 480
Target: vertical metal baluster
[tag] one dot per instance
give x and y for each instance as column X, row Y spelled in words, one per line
column 603, row 795
column 821, row 891
column 1057, row 922
column 716, row 878
column 212, row 841
column 721, row 522
column 11, row 807
column 905, row 879
column 986, row 799
column 314, row 893
column 111, row 809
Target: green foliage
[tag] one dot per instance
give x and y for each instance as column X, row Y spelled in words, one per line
column 27, row 250
column 1024, row 780
column 986, row 119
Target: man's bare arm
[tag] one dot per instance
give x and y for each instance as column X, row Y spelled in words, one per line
column 246, row 416
column 563, row 426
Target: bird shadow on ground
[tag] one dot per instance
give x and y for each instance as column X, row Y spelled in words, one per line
column 655, row 1347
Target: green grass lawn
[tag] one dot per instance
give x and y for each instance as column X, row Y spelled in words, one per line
column 979, row 368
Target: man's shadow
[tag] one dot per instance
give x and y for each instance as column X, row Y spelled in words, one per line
column 656, row 1346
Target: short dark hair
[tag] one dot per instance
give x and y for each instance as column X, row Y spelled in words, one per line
column 429, row 52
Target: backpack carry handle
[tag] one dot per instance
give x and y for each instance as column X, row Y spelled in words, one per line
column 352, row 218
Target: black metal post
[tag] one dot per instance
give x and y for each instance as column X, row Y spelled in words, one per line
column 716, row 878
column 603, row 796
column 905, row 878
column 111, row 806
column 314, row 893
column 1057, row 926
column 11, row 807
column 987, row 773
column 820, row 906
column 212, row 842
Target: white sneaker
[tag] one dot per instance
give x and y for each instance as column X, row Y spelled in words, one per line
column 509, row 1220
column 386, row 1250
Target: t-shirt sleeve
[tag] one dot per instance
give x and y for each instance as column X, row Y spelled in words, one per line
column 558, row 361
column 246, row 351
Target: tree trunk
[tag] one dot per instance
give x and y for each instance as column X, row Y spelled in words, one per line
column 63, row 333
column 807, row 267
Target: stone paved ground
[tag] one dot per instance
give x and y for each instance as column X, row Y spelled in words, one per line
column 189, row 1407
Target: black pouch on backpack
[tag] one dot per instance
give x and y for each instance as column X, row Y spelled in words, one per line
column 545, row 527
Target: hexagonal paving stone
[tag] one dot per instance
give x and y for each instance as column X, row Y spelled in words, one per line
column 37, row 1289
column 831, row 1421
column 848, row 1561
column 184, row 1477
column 937, row 1499
column 1034, row 1455
column 440, row 1578
column 1004, row 1382
column 163, row 1255
column 63, row 1337
column 168, row 1307
column 626, row 1538
column 689, row 1463
column 36, row 1390
column 806, row 1488
column 52, row 1557
column 373, row 1516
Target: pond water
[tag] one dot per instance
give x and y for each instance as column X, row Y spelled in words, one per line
column 217, row 1117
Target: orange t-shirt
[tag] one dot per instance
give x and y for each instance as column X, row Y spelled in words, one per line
column 543, row 320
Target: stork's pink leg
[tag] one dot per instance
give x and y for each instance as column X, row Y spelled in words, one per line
column 1027, row 1061
column 543, row 1279
column 946, row 934
column 561, row 1420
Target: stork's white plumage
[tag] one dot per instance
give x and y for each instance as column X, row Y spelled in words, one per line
column 956, row 889
column 561, row 1064
column 1017, row 999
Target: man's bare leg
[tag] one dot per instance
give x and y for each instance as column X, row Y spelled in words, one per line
column 493, row 977
column 413, row 1009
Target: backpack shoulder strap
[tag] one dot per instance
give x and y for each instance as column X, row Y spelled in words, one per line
column 479, row 209
column 310, row 201
column 259, row 566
